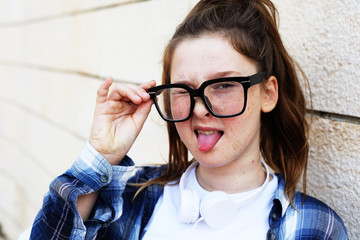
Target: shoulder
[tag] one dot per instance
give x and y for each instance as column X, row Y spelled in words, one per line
column 314, row 218
column 309, row 217
column 312, row 208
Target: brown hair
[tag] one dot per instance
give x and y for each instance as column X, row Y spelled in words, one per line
column 251, row 28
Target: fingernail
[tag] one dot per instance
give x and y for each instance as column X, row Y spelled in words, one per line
column 144, row 94
column 138, row 98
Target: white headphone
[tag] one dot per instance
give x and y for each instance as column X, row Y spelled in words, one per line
column 217, row 209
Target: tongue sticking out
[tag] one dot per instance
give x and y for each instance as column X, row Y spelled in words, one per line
column 207, row 140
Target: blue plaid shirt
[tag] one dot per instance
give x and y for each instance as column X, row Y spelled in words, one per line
column 117, row 215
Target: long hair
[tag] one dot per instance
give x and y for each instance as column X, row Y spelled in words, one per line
column 251, row 27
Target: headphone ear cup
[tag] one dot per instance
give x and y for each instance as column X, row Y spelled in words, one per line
column 189, row 206
column 218, row 209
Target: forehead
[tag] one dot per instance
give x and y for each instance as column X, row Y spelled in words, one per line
column 196, row 60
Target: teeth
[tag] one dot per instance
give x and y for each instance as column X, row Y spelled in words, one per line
column 206, row 132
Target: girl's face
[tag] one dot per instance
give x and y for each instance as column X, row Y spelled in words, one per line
column 217, row 142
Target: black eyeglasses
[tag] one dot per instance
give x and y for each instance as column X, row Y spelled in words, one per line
column 223, row 97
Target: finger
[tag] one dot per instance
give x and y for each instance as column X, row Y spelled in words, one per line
column 103, row 90
column 142, row 93
column 142, row 90
column 148, row 84
column 142, row 113
column 125, row 93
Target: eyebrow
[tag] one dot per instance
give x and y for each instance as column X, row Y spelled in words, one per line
column 214, row 76
column 226, row 74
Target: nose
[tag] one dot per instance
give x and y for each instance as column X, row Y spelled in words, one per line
column 200, row 109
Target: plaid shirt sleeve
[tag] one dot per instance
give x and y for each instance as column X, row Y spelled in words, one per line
column 59, row 218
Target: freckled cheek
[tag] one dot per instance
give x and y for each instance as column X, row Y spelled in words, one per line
column 252, row 114
column 184, row 130
column 241, row 137
column 241, row 128
column 254, row 98
column 251, row 102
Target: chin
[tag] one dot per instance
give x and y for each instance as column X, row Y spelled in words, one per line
column 208, row 160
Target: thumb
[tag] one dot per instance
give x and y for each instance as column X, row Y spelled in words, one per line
column 142, row 113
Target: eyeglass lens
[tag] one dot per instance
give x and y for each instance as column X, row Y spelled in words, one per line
column 222, row 98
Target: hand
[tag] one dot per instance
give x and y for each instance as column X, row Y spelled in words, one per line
column 119, row 117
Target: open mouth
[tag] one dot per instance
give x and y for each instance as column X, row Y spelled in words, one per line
column 207, row 139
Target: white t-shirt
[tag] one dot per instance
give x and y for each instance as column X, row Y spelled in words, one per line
column 251, row 221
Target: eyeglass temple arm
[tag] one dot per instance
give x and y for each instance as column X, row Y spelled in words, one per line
column 151, row 91
column 256, row 78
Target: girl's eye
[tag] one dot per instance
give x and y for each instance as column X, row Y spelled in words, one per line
column 179, row 92
column 224, row 85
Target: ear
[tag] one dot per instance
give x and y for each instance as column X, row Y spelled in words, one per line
column 270, row 94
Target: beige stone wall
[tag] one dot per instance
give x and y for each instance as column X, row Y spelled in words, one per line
column 324, row 36
column 54, row 54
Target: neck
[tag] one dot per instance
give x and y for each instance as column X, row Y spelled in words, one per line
column 232, row 179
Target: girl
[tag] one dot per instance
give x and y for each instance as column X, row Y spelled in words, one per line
column 231, row 97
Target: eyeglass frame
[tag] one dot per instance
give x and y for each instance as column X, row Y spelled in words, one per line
column 245, row 81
